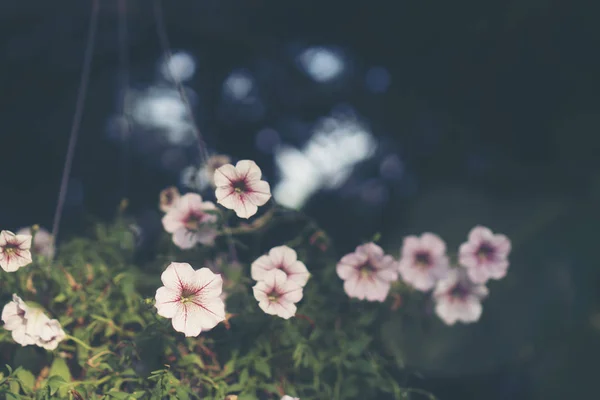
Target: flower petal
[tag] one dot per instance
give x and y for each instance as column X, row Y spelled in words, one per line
column 248, row 169
column 184, row 238
column 260, row 266
column 225, row 175
column 258, row 192
column 209, row 284
column 177, row 275
column 167, row 302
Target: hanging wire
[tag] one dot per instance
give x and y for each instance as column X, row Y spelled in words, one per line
column 123, row 83
column 75, row 126
column 166, row 49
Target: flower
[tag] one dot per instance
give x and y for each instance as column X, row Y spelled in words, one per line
column 168, row 198
column 485, row 255
column 14, row 251
column 286, row 397
column 423, row 261
column 42, row 241
column 277, row 295
column 30, row 325
column 50, row 335
column 458, row 298
column 367, row 273
column 284, row 259
column 13, row 316
column 240, row 189
column 190, row 298
column 189, row 221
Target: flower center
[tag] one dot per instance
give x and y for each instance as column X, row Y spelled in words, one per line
column 422, row 259
column 193, row 221
column 187, row 296
column 273, row 296
column 459, row 292
column 366, row 270
column 10, row 248
column 485, row 252
column 240, row 186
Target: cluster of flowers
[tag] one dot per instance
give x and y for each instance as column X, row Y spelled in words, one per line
column 424, row 265
column 368, row 272
column 28, row 325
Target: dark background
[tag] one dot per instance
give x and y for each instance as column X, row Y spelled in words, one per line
column 492, row 116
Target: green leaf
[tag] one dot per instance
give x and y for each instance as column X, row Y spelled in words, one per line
column 56, row 382
column 192, row 359
column 61, row 297
column 261, row 366
column 244, row 376
column 60, row 368
column 26, row 379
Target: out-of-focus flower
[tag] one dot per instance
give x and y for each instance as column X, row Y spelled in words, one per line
column 283, row 258
column 286, row 397
column 458, row 298
column 277, row 295
column 423, row 261
column 43, row 244
column 206, row 174
column 50, row 335
column 14, row 251
column 30, row 325
column 367, row 272
column 189, row 221
column 13, row 316
column 168, row 198
column 240, row 189
column 485, row 255
column 191, row 298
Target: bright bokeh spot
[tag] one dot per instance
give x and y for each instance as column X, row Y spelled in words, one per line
column 239, row 85
column 326, row 161
column 321, row 63
column 179, row 67
column 163, row 109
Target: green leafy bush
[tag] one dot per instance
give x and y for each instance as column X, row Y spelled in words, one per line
column 118, row 347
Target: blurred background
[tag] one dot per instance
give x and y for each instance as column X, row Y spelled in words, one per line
column 373, row 117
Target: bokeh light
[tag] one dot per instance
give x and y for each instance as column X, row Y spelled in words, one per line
column 181, row 67
column 338, row 143
column 322, row 64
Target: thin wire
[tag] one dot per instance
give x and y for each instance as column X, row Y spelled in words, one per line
column 166, row 49
column 82, row 91
column 123, row 78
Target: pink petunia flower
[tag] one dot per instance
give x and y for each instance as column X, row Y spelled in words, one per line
column 14, row 251
column 50, row 335
column 168, row 198
column 191, row 298
column 367, row 273
column 457, row 298
column 283, row 258
column 190, row 223
column 29, row 325
column 42, row 244
column 240, row 189
column 277, row 295
column 485, row 255
column 424, row 261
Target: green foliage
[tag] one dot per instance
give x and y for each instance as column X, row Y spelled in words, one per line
column 119, row 348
